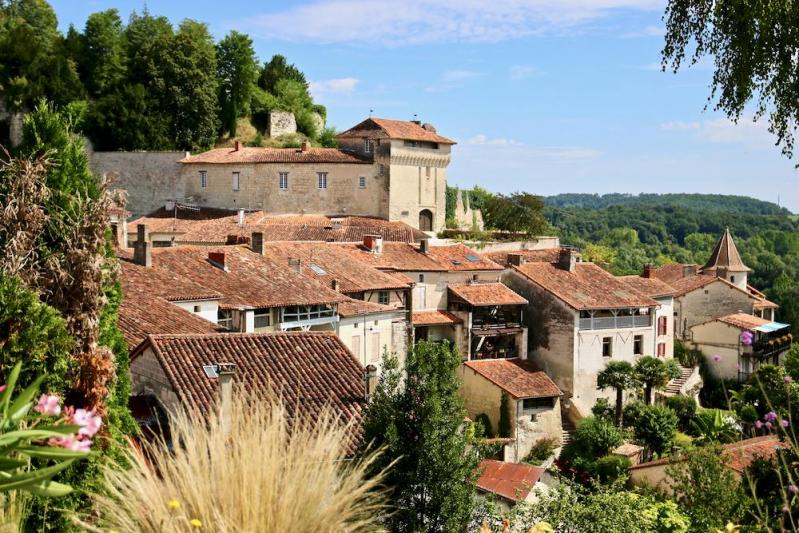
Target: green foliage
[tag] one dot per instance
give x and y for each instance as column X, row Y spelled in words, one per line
column 685, row 409
column 704, row 203
column 327, row 138
column 767, row 481
column 609, row 468
column 603, row 409
column 237, row 71
column 686, row 357
column 682, row 441
column 593, row 438
column 504, row 426
column 617, row 375
column 519, row 212
column 654, row 373
column 791, row 362
column 278, row 69
column 655, row 428
column 420, row 425
column 706, row 489
column 715, row 425
column 541, row 450
column 484, row 423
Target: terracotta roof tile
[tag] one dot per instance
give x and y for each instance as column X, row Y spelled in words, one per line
column 485, row 294
column 511, row 481
column 167, row 284
column 434, row 318
column 725, row 256
column 765, row 304
column 588, row 287
column 520, row 378
column 744, row 321
column 652, row 287
column 394, row 129
column 671, row 272
column 546, row 255
column 247, row 154
column 395, row 256
column 691, row 283
column 361, row 308
column 459, row 257
column 141, row 314
column 310, row 370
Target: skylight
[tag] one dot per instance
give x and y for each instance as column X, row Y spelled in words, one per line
column 319, row 270
column 472, row 258
column 210, row 371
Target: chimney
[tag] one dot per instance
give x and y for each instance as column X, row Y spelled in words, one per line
column 335, row 285
column 424, row 246
column 169, row 205
column 142, row 249
column 373, row 243
column 241, row 217
column 516, row 259
column 649, row 271
column 257, row 242
column 295, row 264
column 429, row 127
column 567, row 260
column 689, row 270
column 417, row 122
column 304, row 146
column 225, row 373
column 218, row 260
column 236, row 146
column 369, row 382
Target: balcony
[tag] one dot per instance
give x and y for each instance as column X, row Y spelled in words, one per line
column 499, row 320
column 616, row 322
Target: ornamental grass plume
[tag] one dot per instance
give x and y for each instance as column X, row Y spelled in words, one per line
column 266, row 471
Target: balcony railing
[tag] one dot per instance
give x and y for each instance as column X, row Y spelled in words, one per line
column 616, row 322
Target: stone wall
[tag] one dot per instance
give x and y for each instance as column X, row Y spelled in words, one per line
column 465, row 217
column 149, row 377
column 706, row 303
column 14, row 123
column 280, row 123
column 150, row 178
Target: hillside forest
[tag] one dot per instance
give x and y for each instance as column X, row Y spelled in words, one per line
column 625, row 232
column 147, row 85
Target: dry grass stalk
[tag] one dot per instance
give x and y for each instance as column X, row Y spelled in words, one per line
column 268, row 474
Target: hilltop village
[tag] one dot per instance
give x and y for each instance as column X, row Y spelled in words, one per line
column 302, row 267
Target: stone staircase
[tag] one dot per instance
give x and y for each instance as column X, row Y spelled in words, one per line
column 674, row 386
column 567, row 428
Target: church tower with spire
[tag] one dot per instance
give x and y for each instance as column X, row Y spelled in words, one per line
column 725, row 262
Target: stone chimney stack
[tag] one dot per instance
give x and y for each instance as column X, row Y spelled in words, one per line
column 649, row 271
column 142, row 248
column 335, row 285
column 236, row 146
column 226, row 372
column 516, row 259
column 373, row 243
column 689, row 270
column 424, row 246
column 304, row 146
column 257, row 242
column 369, row 382
column 295, row 264
column 567, row 260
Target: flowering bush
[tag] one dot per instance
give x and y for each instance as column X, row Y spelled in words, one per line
column 54, row 436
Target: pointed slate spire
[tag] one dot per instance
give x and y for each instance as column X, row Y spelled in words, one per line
column 725, row 256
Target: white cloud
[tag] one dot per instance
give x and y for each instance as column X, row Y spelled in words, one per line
column 502, row 148
column 395, row 22
column 452, row 79
column 725, row 131
column 338, row 86
column 522, row 72
column 647, row 31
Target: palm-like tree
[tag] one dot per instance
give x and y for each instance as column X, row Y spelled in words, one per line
column 654, row 373
column 617, row 375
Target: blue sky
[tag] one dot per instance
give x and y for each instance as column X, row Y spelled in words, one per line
column 547, row 96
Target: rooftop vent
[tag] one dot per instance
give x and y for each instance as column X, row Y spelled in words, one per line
column 373, row 243
column 218, row 260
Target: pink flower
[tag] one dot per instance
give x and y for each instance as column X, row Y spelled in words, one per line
column 771, row 416
column 793, row 489
column 758, row 424
column 49, row 405
column 784, row 423
column 71, row 443
column 716, row 358
column 88, row 421
column 768, row 425
column 787, row 379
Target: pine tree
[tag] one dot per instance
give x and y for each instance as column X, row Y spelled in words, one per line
column 420, row 424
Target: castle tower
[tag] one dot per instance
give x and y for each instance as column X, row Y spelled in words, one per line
column 725, row 262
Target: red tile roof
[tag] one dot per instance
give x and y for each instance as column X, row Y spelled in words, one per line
column 511, row 481
column 395, row 256
column 546, row 255
column 765, row 304
column 394, row 129
column 485, row 294
column 743, row 321
column 434, row 318
column 141, row 315
column 691, row 283
column 652, row 287
column 168, row 284
column 672, row 271
column 725, row 256
column 310, row 370
column 520, row 378
column 459, row 257
column 352, row 307
column 588, row 287
column 247, row 155
column 741, row 454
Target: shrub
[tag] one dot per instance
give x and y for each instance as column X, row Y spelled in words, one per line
column 685, row 409
column 656, row 428
column 603, row 409
column 610, row 468
column 686, row 356
column 632, row 412
column 256, row 472
column 541, row 450
column 715, row 425
column 504, row 425
column 484, row 422
column 683, row 441
column 594, row 438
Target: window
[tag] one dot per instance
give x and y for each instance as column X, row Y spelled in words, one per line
column 203, row 179
column 362, row 182
column 263, row 318
column 661, row 349
column 382, row 297
column 537, row 403
column 607, row 346
column 224, row 318
column 421, row 278
column 732, row 279
column 427, row 171
column 663, row 325
column 297, row 313
column 322, row 180
column 284, row 181
column 196, row 308
column 381, row 169
column 367, row 146
column 236, row 182
column 376, row 346
column 638, row 345
column 316, row 268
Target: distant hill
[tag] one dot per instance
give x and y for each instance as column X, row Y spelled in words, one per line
column 702, row 202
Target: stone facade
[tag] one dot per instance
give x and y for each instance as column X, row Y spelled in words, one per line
column 149, row 178
column 280, row 123
column 465, row 217
column 706, row 303
column 369, row 336
column 148, row 377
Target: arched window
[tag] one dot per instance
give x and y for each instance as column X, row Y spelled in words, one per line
column 426, row 220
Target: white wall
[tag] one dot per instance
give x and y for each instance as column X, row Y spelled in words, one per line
column 374, row 334
column 435, row 286
column 208, row 308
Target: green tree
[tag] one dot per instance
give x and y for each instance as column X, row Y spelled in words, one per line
column 654, row 373
column 518, row 212
column 237, row 71
column 616, row 375
column 276, row 69
column 504, row 426
column 655, row 428
column 753, row 46
column 706, row 489
column 420, row 424
column 102, row 53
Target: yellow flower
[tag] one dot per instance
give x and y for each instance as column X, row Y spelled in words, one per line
column 196, row 523
column 174, row 504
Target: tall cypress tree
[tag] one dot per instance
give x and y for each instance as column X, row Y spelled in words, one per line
column 237, row 71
